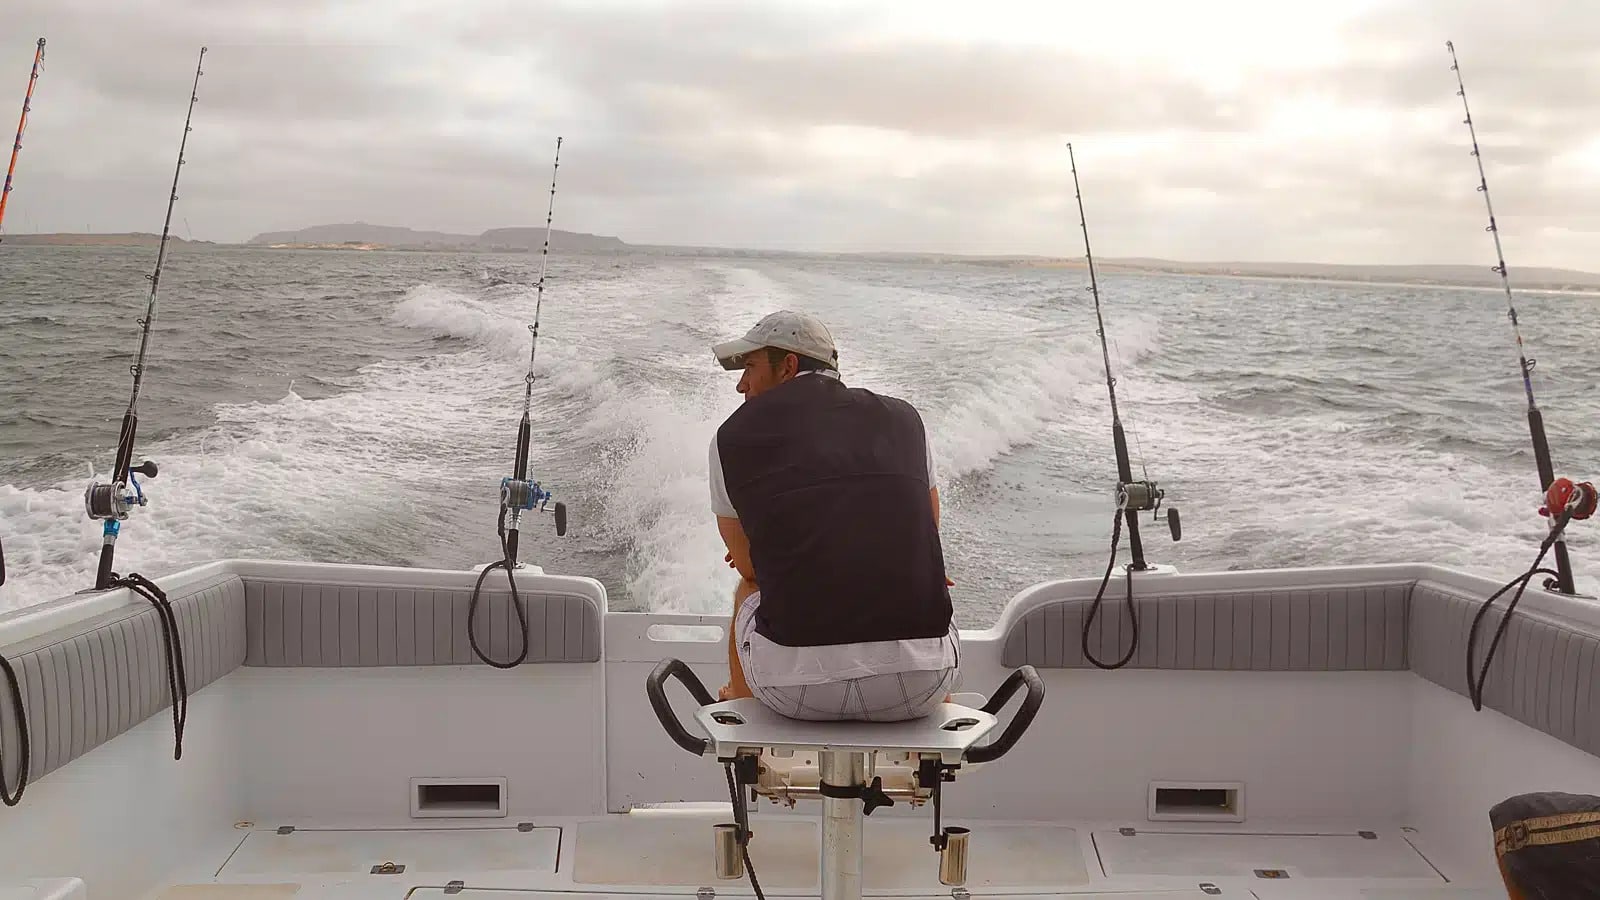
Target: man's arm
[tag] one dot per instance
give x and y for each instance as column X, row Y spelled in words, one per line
column 738, row 546
column 933, row 495
column 739, row 556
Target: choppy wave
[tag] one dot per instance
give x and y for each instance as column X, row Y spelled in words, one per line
column 365, row 412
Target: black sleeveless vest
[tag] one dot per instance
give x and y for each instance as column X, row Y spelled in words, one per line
column 831, row 487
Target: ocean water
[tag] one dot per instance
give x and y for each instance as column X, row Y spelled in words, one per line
column 361, row 407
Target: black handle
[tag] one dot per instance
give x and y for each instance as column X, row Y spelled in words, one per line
column 1019, row 724
column 655, row 686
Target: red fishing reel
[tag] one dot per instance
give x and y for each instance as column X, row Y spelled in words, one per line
column 1564, row 496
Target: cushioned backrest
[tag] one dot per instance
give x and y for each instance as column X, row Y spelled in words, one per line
column 1544, row 674
column 84, row 685
column 1324, row 629
column 353, row 625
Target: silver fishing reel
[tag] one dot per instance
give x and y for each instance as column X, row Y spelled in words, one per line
column 1146, row 495
column 529, row 495
column 114, row 501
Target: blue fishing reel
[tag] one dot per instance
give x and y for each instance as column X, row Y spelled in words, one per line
column 530, row 495
column 114, row 502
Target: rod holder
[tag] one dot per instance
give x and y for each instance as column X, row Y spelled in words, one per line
column 953, row 857
column 730, row 861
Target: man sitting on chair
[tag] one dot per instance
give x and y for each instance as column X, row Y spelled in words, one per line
column 825, row 496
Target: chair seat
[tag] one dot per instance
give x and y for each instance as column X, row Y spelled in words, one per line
column 748, row 725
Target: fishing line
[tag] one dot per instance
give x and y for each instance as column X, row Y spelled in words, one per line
column 517, row 493
column 1138, row 447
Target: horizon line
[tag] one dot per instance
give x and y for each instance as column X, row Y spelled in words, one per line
column 1079, row 258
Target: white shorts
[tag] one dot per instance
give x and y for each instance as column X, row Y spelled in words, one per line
column 891, row 681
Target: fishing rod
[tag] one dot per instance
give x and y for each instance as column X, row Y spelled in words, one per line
column 22, row 125
column 1564, row 500
column 113, row 502
column 517, row 493
column 1541, row 445
column 10, row 796
column 1132, row 496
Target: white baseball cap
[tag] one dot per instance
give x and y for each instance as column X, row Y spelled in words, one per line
column 785, row 330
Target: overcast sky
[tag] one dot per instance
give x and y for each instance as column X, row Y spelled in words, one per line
column 1233, row 129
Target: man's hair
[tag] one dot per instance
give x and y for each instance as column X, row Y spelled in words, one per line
column 775, row 356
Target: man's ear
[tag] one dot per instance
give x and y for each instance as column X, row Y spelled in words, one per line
column 791, row 366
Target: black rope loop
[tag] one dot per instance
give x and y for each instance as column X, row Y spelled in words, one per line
column 1094, row 608
column 172, row 642
column 506, row 563
column 25, row 761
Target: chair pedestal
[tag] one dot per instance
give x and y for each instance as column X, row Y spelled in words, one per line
column 842, row 826
column 739, row 733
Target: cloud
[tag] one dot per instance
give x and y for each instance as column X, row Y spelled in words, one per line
column 1248, row 131
column 754, row 72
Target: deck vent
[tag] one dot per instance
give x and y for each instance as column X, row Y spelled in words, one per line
column 695, row 634
column 1196, row 801
column 433, row 798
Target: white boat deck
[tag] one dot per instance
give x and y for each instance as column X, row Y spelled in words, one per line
column 669, row 853
column 329, row 701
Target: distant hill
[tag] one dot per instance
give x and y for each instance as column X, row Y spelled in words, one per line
column 533, row 239
column 361, row 233
column 129, row 239
column 363, row 236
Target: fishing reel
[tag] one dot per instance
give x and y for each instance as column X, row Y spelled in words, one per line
column 1578, row 501
column 113, row 502
column 1139, row 496
column 523, row 495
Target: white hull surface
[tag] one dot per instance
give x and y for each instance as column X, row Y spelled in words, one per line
column 329, row 703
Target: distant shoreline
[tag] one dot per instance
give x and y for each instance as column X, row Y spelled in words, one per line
column 1581, row 284
column 1531, row 288
column 112, row 239
column 139, row 239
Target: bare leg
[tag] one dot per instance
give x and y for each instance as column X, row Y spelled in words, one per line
column 737, row 686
